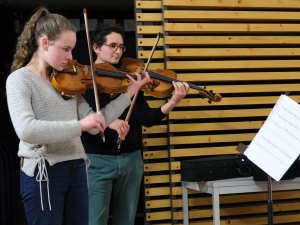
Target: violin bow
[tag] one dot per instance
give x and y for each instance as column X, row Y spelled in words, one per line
column 136, row 94
column 92, row 67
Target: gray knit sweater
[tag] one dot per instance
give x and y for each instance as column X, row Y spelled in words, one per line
column 46, row 124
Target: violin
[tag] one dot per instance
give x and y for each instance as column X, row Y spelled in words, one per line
column 160, row 85
column 75, row 78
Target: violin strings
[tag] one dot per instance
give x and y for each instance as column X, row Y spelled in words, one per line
column 110, row 73
column 170, row 79
column 152, row 75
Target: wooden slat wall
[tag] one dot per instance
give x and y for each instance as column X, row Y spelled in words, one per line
column 149, row 24
column 248, row 51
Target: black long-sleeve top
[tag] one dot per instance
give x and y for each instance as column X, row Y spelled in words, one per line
column 142, row 114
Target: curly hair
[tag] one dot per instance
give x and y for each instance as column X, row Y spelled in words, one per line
column 98, row 37
column 42, row 22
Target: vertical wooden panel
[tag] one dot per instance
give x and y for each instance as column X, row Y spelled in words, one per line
column 248, row 51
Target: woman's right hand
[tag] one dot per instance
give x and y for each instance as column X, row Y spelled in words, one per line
column 91, row 121
column 136, row 83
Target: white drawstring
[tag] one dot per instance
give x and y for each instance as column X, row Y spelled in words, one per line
column 43, row 176
column 87, row 162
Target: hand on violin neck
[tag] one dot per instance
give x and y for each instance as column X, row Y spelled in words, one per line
column 181, row 90
column 137, row 82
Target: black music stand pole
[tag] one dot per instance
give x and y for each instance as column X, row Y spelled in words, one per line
column 242, row 148
column 270, row 202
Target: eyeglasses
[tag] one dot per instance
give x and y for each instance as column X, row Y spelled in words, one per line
column 114, row 47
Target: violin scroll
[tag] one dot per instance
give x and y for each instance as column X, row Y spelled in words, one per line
column 213, row 97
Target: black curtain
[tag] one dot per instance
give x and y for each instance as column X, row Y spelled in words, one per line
column 7, row 43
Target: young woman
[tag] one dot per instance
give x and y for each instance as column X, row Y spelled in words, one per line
column 118, row 171
column 53, row 172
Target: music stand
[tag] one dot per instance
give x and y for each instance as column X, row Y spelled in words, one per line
column 276, row 142
column 242, row 148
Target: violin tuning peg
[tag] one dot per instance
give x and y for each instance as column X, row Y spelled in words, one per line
column 155, row 83
column 209, row 101
column 150, row 86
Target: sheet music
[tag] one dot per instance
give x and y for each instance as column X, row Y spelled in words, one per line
column 277, row 144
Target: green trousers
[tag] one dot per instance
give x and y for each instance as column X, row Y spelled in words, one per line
column 116, row 176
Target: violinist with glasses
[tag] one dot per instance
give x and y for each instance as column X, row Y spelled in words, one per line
column 115, row 171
